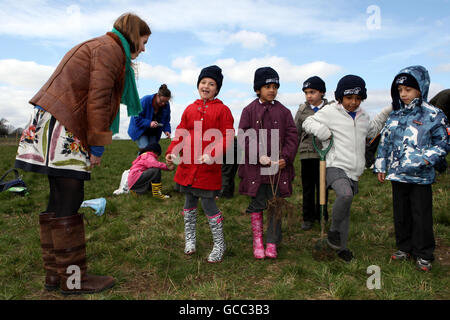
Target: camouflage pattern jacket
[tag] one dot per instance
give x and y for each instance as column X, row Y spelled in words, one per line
column 413, row 133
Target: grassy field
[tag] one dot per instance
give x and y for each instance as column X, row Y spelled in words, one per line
column 140, row 241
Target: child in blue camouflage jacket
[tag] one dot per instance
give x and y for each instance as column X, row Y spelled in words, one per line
column 414, row 139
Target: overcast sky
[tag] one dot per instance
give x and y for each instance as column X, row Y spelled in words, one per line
column 299, row 39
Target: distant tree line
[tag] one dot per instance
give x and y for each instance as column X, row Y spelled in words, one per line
column 7, row 130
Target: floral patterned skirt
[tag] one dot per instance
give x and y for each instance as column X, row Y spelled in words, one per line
column 47, row 147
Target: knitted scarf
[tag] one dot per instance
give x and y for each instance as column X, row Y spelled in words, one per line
column 130, row 95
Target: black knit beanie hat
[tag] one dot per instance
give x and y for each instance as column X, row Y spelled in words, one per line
column 265, row 76
column 407, row 80
column 213, row 72
column 314, row 83
column 350, row 84
column 152, row 147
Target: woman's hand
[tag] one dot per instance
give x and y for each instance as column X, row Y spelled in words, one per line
column 95, row 161
column 167, row 133
column 381, row 176
column 153, row 124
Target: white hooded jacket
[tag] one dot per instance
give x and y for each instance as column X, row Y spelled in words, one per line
column 349, row 136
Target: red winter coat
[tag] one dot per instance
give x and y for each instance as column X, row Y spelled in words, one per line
column 210, row 115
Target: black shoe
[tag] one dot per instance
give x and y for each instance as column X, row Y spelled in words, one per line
column 225, row 195
column 334, row 240
column 307, row 225
column 346, row 255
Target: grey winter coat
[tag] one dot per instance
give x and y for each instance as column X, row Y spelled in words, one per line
column 306, row 148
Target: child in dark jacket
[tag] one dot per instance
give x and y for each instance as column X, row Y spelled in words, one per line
column 266, row 114
column 145, row 172
column 314, row 89
column 415, row 138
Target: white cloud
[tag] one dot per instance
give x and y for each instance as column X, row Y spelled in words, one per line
column 38, row 18
column 376, row 100
column 291, row 99
column 14, row 105
column 435, row 88
column 425, row 45
column 46, row 19
column 243, row 71
column 237, row 71
column 234, row 94
column 166, row 75
column 244, row 38
column 287, row 18
column 24, row 74
column 250, row 40
column 443, row 67
column 19, row 82
column 184, row 63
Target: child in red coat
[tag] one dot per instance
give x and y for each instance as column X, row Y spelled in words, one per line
column 199, row 172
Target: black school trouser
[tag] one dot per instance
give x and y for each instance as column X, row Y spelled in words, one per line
column 229, row 171
column 413, row 219
column 311, row 190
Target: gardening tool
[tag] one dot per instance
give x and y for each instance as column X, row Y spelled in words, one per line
column 321, row 250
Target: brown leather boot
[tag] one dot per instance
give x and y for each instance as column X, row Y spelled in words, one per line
column 70, row 253
column 51, row 277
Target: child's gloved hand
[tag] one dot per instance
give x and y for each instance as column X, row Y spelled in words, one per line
column 171, row 166
column 205, row 159
column 264, row 160
column 323, row 133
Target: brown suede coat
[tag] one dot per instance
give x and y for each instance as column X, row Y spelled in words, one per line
column 84, row 92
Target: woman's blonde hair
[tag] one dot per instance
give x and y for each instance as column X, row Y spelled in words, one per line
column 132, row 28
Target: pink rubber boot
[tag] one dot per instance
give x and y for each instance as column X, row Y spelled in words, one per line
column 271, row 250
column 257, row 228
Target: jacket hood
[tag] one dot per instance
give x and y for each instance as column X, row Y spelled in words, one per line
column 423, row 79
column 145, row 155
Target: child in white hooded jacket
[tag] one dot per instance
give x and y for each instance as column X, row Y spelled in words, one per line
column 350, row 126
